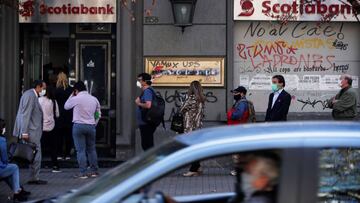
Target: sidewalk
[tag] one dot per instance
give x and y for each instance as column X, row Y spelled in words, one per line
column 214, row 179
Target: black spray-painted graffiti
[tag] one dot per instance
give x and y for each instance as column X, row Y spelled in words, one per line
column 313, row 103
column 178, row 98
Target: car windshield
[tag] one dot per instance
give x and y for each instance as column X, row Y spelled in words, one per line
column 124, row 171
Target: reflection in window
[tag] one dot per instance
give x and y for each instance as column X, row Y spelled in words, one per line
column 339, row 176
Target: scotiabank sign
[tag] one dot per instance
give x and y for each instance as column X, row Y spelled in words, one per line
column 67, row 11
column 293, row 10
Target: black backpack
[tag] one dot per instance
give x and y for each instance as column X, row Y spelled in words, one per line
column 155, row 115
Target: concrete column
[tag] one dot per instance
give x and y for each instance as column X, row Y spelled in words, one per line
column 9, row 65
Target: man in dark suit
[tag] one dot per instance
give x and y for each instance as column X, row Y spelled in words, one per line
column 279, row 101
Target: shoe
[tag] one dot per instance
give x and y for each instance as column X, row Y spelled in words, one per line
column 60, row 158
column 93, row 174
column 67, row 158
column 56, row 169
column 81, row 176
column 23, row 191
column 233, row 173
column 20, row 197
column 37, row 182
column 191, row 174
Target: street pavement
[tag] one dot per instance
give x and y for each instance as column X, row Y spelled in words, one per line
column 214, row 179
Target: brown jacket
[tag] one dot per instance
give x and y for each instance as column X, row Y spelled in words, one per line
column 193, row 112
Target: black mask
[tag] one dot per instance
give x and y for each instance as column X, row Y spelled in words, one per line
column 237, row 97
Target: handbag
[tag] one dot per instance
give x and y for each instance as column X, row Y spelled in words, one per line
column 22, row 151
column 177, row 123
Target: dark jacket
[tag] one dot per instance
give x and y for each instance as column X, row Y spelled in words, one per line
column 262, row 197
column 280, row 109
column 345, row 107
column 65, row 119
column 3, row 153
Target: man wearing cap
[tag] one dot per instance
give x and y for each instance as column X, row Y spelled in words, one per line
column 239, row 113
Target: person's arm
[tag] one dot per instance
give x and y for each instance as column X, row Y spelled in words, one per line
column 3, row 153
column 148, row 96
column 267, row 117
column 347, row 100
column 26, row 109
column 239, row 111
column 70, row 103
column 186, row 106
column 57, row 110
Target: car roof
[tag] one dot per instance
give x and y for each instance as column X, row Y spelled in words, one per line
column 250, row 130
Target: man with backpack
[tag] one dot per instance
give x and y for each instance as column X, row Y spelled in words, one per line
column 149, row 112
column 243, row 109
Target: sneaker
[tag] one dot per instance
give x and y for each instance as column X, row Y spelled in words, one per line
column 67, row 158
column 81, row 176
column 60, row 158
column 56, row 170
column 20, row 197
column 191, row 174
column 93, row 174
column 23, row 191
column 233, row 173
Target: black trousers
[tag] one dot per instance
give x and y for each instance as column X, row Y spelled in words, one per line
column 147, row 136
column 65, row 141
column 195, row 166
column 49, row 144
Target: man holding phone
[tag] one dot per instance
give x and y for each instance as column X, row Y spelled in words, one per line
column 86, row 115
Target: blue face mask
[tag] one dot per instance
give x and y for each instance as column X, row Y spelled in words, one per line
column 274, row 87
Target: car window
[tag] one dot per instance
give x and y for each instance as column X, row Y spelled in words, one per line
column 217, row 175
column 339, row 177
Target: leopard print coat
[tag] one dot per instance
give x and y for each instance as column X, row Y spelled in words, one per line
column 193, row 113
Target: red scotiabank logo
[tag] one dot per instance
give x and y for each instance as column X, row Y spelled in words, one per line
column 27, row 9
column 247, row 8
column 315, row 7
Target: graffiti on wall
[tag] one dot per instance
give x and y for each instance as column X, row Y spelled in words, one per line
column 310, row 56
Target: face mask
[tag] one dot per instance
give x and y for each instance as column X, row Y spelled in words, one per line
column 138, row 84
column 237, row 97
column 246, row 185
column 3, row 131
column 42, row 93
column 274, row 87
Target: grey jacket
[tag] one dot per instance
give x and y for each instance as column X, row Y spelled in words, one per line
column 345, row 107
column 29, row 118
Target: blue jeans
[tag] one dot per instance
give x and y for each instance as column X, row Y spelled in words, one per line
column 11, row 175
column 84, row 140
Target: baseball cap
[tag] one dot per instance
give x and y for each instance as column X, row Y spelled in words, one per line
column 239, row 89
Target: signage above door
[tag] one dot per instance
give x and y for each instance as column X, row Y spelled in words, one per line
column 67, row 11
column 294, row 10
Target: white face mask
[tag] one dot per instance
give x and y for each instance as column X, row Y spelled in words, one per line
column 42, row 93
column 138, row 84
column 246, row 185
column 3, row 131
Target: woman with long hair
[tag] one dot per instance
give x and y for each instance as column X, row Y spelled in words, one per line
column 193, row 112
column 64, row 122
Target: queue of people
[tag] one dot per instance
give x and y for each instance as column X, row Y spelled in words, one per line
column 62, row 114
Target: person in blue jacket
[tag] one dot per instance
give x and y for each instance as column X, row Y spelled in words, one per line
column 10, row 172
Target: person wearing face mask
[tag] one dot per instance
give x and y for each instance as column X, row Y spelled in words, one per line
column 279, row 101
column 49, row 140
column 143, row 103
column 239, row 113
column 344, row 104
column 29, row 125
column 10, row 172
column 259, row 179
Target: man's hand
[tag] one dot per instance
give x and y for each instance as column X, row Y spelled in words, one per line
column 25, row 137
column 137, row 101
